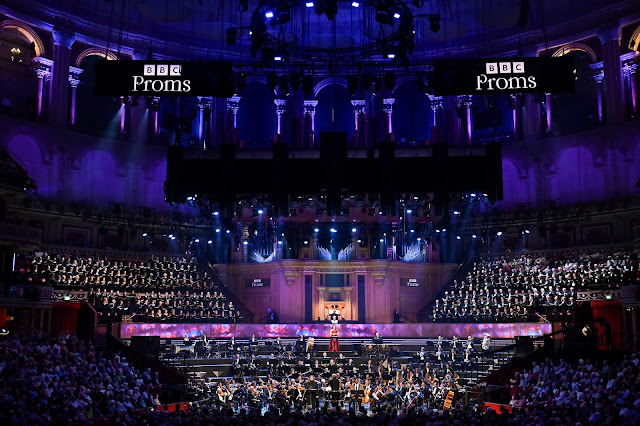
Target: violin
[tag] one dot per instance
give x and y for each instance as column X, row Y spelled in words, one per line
column 367, row 396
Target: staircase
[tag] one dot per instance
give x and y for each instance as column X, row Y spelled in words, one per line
column 247, row 315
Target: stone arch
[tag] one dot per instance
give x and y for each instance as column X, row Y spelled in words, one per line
column 570, row 47
column 402, row 80
column 97, row 179
column 515, row 189
column 412, row 116
column 27, row 32
column 91, row 51
column 328, row 82
column 256, row 115
column 29, row 154
column 576, row 179
column 634, row 41
column 334, row 111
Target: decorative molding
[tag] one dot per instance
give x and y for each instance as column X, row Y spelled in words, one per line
column 599, row 77
column 584, row 296
column 378, row 278
column 310, row 107
column 570, row 47
column 290, row 277
column 94, row 51
column 436, row 102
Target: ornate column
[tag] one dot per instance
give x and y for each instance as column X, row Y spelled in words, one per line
column 436, row 105
column 465, row 103
column 310, row 111
column 74, row 80
column 532, row 125
column 281, row 107
column 547, row 104
column 613, row 95
column 515, row 103
column 42, row 67
column 387, row 106
column 155, row 106
column 599, row 78
column 629, row 71
column 123, row 111
column 204, row 103
column 359, row 108
column 63, row 39
column 233, row 104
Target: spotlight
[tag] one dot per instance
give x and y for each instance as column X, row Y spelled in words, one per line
column 412, row 231
column 269, row 14
column 209, row 242
column 526, row 231
column 228, row 231
column 316, row 230
column 437, row 230
column 306, row 242
column 189, row 198
column 381, row 240
column 419, row 239
column 277, row 58
column 409, row 211
column 260, row 211
column 458, row 237
column 309, row 4
column 171, row 236
column 279, row 243
column 434, row 23
column 355, row 4
column 499, row 233
column 217, row 230
column 473, row 194
column 474, row 236
column 354, row 230
column 396, row 15
column 144, row 234
column 197, row 240
column 391, row 55
column 216, row 213
column 245, row 242
column 456, row 212
column 333, row 230
column 444, row 230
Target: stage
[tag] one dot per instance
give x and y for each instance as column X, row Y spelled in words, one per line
column 411, row 330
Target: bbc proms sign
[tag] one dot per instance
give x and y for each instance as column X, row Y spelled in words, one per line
column 257, row 282
column 503, row 76
column 164, row 78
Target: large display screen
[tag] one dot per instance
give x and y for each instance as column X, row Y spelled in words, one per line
column 167, row 331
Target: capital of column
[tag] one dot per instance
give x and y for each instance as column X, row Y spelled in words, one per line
column 629, row 68
column 464, row 101
column 436, row 102
column 359, row 106
column 63, row 37
column 204, row 102
column 310, row 107
column 387, row 105
column 42, row 67
column 74, row 76
column 281, row 106
column 607, row 33
column 233, row 103
column 599, row 77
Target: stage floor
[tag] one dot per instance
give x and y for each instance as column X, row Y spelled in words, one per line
column 412, row 330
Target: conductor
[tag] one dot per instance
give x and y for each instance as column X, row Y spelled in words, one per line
column 311, row 392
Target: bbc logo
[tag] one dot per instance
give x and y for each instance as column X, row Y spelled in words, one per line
column 151, row 70
column 505, row 67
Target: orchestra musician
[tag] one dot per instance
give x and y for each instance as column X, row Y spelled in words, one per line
column 486, row 342
column 469, row 344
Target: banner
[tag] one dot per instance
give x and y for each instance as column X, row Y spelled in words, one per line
column 164, row 78
column 413, row 282
column 503, row 76
column 257, row 282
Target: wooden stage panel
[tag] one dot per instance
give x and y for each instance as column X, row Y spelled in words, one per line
column 413, row 330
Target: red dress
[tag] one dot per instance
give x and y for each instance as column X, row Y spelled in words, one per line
column 333, row 342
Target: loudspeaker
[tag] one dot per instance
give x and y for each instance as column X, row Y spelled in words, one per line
column 146, row 345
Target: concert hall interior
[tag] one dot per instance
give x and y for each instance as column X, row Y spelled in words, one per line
column 319, row 212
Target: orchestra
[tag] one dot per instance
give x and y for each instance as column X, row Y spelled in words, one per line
column 307, row 383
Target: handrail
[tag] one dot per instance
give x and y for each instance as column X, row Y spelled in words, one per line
column 248, row 316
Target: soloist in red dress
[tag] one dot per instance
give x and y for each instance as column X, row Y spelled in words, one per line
column 333, row 342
